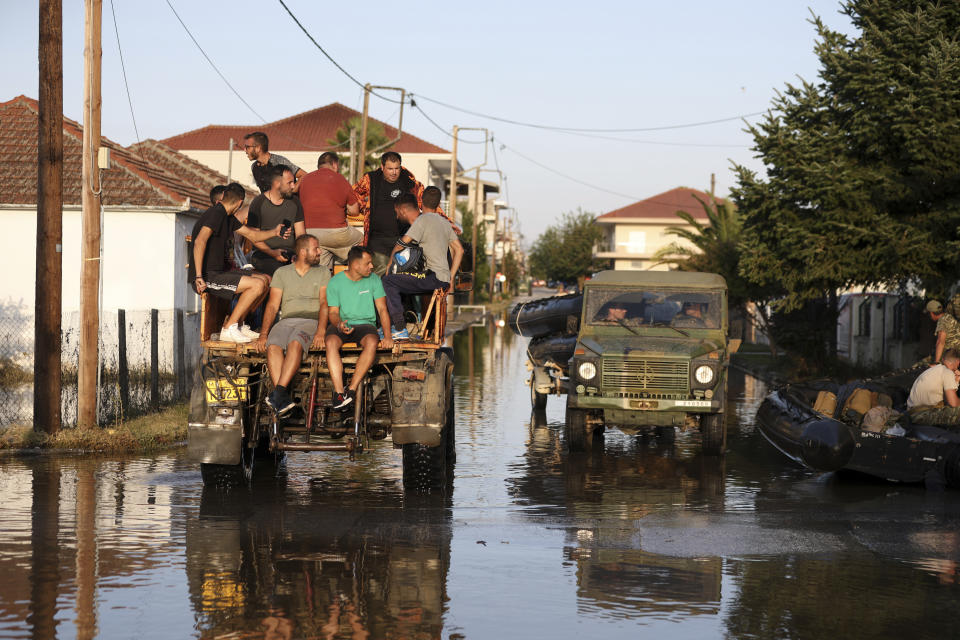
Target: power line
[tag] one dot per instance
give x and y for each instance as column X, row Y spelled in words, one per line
column 585, row 130
column 414, row 104
column 330, row 58
column 563, row 175
column 123, row 68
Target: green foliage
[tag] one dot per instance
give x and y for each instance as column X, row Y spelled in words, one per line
column 376, row 137
column 481, row 277
column 564, row 251
column 863, row 166
column 511, row 269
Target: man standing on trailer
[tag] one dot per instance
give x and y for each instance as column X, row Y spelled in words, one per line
column 298, row 292
column 355, row 298
column 257, row 147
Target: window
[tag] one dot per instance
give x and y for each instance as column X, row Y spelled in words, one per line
column 864, row 312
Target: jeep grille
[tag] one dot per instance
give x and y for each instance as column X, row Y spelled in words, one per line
column 664, row 376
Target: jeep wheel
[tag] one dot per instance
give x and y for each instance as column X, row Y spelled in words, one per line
column 426, row 468
column 537, row 400
column 575, row 429
column 713, row 434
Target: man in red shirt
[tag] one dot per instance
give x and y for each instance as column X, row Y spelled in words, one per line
column 327, row 200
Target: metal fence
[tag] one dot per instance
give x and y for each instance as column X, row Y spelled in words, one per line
column 145, row 362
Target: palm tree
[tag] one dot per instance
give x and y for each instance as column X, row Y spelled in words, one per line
column 376, row 137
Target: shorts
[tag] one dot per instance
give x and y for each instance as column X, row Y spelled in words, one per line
column 290, row 330
column 265, row 264
column 223, row 285
column 359, row 332
column 336, row 242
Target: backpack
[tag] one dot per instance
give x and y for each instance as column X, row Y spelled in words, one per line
column 409, row 260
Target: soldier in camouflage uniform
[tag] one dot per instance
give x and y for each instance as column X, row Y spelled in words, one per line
column 933, row 398
column 947, row 331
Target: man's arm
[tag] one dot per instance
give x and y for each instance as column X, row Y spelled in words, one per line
column 299, row 228
column 950, row 395
column 456, row 255
column 255, row 235
column 353, row 209
column 199, row 248
column 269, row 315
column 381, row 305
column 322, row 319
column 396, row 248
column 941, row 342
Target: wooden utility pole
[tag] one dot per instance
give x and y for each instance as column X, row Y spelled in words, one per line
column 90, row 221
column 353, row 156
column 476, row 220
column 362, row 162
column 229, row 160
column 452, row 194
column 49, row 268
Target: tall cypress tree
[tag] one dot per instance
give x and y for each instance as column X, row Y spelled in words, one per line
column 863, row 166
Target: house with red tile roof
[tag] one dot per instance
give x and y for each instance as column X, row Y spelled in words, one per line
column 151, row 197
column 301, row 138
column 634, row 234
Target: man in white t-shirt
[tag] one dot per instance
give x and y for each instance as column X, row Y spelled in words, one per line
column 933, row 397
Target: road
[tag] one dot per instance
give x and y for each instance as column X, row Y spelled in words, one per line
column 532, row 542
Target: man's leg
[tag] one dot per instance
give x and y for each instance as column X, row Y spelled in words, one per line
column 275, row 362
column 291, row 362
column 380, row 261
column 396, row 284
column 334, row 364
column 365, row 361
column 250, row 289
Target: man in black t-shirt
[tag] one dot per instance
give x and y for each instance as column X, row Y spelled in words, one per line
column 210, row 263
column 269, row 209
column 257, row 147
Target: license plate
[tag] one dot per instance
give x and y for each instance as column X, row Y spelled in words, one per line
column 698, row 404
column 223, row 390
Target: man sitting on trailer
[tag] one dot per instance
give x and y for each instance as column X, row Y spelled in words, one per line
column 933, row 397
column 298, row 292
column 435, row 237
column 210, row 263
column 355, row 298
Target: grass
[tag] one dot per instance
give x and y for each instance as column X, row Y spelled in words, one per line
column 13, row 375
column 139, row 435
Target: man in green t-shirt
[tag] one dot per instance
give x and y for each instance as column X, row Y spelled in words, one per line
column 356, row 299
column 299, row 292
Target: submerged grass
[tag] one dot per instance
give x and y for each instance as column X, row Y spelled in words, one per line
column 137, row 435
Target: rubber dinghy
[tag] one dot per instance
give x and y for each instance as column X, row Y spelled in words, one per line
column 547, row 316
column 822, row 425
column 555, row 349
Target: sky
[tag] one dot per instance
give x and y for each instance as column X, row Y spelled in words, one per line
column 598, row 65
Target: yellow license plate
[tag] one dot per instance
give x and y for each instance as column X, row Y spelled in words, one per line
column 222, row 390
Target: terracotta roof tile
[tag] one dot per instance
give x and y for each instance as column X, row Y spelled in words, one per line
column 665, row 205
column 308, row 131
column 133, row 179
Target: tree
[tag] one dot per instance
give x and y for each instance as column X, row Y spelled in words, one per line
column 564, row 252
column 862, row 166
column 376, row 137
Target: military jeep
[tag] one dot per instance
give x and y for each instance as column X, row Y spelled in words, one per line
column 650, row 356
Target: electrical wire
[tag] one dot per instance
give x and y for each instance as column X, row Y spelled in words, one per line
column 123, row 69
column 414, row 104
column 330, row 58
column 563, row 175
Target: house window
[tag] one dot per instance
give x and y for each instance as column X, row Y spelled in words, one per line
column 636, row 242
column 906, row 320
column 863, row 318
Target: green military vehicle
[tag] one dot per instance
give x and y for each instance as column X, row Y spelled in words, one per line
column 650, row 356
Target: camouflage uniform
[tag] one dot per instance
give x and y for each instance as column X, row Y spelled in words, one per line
column 949, row 325
column 936, row 415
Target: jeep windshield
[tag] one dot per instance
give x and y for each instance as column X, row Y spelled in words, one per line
column 653, row 307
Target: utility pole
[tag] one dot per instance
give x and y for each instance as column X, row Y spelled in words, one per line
column 493, row 251
column 230, row 161
column 353, row 156
column 363, row 129
column 452, row 194
column 90, row 221
column 49, row 268
column 713, row 183
column 476, row 216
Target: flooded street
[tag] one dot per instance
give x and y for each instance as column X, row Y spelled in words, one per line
column 646, row 537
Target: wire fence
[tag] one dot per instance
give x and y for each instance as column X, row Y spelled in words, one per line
column 145, row 362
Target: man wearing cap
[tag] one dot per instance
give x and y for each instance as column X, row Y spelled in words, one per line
column 947, row 331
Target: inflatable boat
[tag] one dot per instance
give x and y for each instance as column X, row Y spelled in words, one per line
column 828, row 426
column 555, row 349
column 547, row 316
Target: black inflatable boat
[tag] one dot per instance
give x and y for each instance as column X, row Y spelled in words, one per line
column 555, row 349
column 816, row 425
column 547, row 316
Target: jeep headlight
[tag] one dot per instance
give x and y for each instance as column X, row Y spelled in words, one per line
column 704, row 374
column 587, row 370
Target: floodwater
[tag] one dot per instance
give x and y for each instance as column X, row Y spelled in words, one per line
column 645, row 538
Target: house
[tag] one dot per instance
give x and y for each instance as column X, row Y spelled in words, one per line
column 302, row 138
column 151, row 198
column 633, row 234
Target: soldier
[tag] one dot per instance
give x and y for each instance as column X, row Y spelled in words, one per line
column 947, row 331
column 933, row 397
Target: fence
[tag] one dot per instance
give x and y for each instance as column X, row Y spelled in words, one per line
column 146, row 359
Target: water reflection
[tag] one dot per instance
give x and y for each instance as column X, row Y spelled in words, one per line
column 338, row 563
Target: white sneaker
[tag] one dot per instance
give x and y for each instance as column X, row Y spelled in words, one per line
column 233, row 334
column 247, row 331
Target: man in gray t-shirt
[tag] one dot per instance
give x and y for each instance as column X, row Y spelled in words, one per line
column 436, row 237
column 257, row 147
column 269, row 209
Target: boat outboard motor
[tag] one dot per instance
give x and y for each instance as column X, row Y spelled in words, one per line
column 826, row 444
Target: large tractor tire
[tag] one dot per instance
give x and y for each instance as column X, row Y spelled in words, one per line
column 427, row 469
